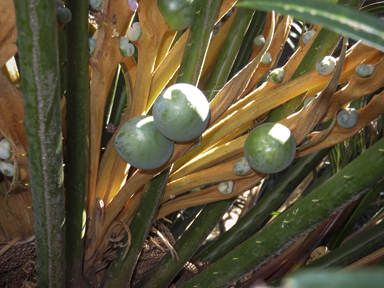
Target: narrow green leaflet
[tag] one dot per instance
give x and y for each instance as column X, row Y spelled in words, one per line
column 354, row 24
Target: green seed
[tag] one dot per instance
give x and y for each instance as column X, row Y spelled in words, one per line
column 309, row 100
column 198, row 142
column 134, row 32
column 226, row 187
column 326, row 65
column 64, row 15
column 5, row 148
column 348, row 118
column 365, row 70
column 59, row 4
column 267, row 58
column 307, row 36
column 242, row 167
column 7, row 168
column 259, row 41
column 277, row 75
column 126, row 49
column 92, row 46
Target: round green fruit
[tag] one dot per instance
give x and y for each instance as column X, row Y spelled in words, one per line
column 226, row 187
column 140, row 143
column 326, row 65
column 307, row 36
column 7, row 168
column 267, row 58
column 5, row 149
column 134, row 32
column 277, row 75
column 181, row 112
column 179, row 14
column 64, row 15
column 270, row 148
column 59, row 4
column 347, row 118
column 365, row 70
column 242, row 167
column 259, row 41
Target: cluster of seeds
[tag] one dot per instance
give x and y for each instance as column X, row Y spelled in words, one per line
column 180, row 114
column 127, row 49
column 64, row 15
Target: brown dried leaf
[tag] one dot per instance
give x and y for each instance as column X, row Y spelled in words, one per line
column 8, row 32
column 357, row 87
column 208, row 195
column 367, row 114
column 304, row 121
column 113, row 17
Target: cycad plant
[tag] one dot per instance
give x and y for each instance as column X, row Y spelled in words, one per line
column 132, row 132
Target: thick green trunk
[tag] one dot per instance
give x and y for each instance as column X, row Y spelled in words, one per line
column 40, row 82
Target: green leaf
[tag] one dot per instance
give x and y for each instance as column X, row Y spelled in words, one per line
column 343, row 20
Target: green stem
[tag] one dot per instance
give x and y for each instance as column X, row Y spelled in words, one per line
column 121, row 269
column 76, row 172
column 40, row 82
column 198, row 40
column 256, row 217
column 229, row 52
column 360, row 208
column 339, row 191
column 246, row 46
column 166, row 270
